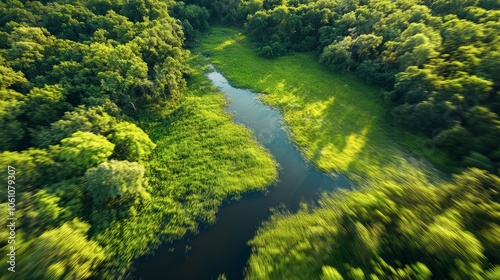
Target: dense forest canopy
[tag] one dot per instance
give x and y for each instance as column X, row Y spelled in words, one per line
column 72, row 73
column 81, row 80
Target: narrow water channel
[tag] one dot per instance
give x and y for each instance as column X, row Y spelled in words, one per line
column 222, row 247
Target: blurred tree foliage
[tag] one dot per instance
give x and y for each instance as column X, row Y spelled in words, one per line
column 61, row 253
column 391, row 231
column 131, row 143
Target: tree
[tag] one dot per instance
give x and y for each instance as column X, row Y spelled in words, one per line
column 456, row 140
column 117, row 189
column 479, row 161
column 83, row 150
column 28, row 45
column 121, row 71
column 460, row 32
column 452, row 7
column 135, row 10
column 43, row 214
column 115, row 181
column 373, row 72
column 67, row 21
column 117, row 27
column 414, row 85
column 38, row 168
column 338, row 56
column 161, row 48
column 45, row 105
column 11, row 107
column 94, row 119
column 447, row 240
column 365, row 45
column 61, row 253
column 403, row 230
column 330, row 273
column 131, row 143
column 8, row 76
column 490, row 66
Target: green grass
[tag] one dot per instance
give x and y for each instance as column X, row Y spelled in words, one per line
column 199, row 144
column 201, row 159
column 338, row 121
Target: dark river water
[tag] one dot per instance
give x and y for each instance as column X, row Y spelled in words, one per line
column 222, row 247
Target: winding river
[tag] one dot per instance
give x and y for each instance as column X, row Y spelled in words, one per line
column 222, row 247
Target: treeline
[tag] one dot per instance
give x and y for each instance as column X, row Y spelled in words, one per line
column 437, row 60
column 72, row 74
column 389, row 231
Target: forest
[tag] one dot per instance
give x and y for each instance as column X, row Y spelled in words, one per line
column 120, row 143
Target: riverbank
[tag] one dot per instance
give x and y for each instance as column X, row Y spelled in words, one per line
column 202, row 158
column 337, row 120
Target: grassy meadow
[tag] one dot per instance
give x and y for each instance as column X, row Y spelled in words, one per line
column 337, row 120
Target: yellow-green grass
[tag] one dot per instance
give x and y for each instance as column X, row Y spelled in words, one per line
column 338, row 121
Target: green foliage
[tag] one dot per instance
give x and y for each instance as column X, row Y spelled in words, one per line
column 330, row 273
column 117, row 190
column 46, row 105
column 70, row 71
column 28, row 47
column 8, row 76
column 121, row 72
column 194, row 20
column 333, row 131
column 456, row 140
column 337, row 55
column 37, row 167
column 115, row 181
column 70, row 195
column 131, row 143
column 94, row 119
column 70, row 74
column 399, row 227
column 61, row 253
column 201, row 159
column 479, row 161
column 43, row 214
column 11, row 107
column 374, row 232
column 83, row 150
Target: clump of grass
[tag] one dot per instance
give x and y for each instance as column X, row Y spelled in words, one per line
column 337, row 120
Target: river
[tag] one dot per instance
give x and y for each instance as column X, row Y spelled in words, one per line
column 222, row 247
